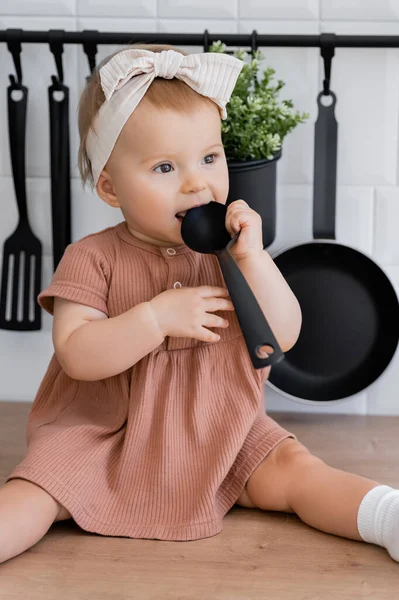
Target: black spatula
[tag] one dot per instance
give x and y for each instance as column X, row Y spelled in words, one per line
column 60, row 169
column 22, row 252
column 58, row 95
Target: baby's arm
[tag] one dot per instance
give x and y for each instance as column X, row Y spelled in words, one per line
column 90, row 346
column 279, row 304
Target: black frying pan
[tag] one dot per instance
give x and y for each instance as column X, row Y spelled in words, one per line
column 350, row 310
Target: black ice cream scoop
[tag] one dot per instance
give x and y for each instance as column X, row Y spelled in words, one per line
column 203, row 230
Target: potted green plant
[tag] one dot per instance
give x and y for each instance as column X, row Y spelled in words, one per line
column 256, row 125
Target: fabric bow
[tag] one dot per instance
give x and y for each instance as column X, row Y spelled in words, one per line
column 126, row 77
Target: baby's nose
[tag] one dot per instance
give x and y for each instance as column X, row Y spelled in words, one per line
column 193, row 184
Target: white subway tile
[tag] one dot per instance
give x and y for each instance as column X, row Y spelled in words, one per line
column 117, row 8
column 89, row 212
column 360, row 27
column 24, row 361
column 355, row 10
column 38, row 66
column 116, row 24
column 293, row 218
column 276, row 401
column 279, row 27
column 354, row 217
column 279, row 9
column 197, row 26
column 386, row 245
column 205, row 9
column 48, row 8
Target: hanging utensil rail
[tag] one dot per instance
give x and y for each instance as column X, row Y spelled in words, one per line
column 197, row 39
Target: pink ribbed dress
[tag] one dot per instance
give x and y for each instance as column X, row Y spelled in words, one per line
column 164, row 449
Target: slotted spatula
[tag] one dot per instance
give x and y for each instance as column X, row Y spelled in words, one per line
column 22, row 251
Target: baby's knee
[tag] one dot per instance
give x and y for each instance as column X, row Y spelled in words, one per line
column 292, row 455
column 270, row 486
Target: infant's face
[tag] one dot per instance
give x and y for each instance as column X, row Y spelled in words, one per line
column 165, row 162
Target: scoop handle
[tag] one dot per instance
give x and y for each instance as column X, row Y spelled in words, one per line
column 253, row 323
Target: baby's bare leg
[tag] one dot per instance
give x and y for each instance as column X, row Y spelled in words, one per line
column 291, row 479
column 26, row 514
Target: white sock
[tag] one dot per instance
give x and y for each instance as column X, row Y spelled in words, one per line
column 378, row 518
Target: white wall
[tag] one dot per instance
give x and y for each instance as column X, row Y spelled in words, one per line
column 366, row 82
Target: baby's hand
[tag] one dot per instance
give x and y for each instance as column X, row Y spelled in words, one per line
column 187, row 312
column 240, row 217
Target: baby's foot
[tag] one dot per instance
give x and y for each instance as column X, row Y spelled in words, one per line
column 390, row 516
column 378, row 519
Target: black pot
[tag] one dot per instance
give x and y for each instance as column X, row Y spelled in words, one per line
column 255, row 182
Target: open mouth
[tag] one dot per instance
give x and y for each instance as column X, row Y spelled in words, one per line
column 180, row 215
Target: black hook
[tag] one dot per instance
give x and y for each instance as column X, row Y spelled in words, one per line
column 56, row 37
column 254, row 42
column 206, row 40
column 13, row 38
column 327, row 46
column 89, row 37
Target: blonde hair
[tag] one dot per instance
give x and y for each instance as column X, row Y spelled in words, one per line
column 162, row 93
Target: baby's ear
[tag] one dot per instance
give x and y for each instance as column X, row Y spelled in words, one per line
column 105, row 189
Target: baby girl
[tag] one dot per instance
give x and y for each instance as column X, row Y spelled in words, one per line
column 150, row 421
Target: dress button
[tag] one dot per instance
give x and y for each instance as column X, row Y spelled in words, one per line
column 171, row 251
column 177, row 285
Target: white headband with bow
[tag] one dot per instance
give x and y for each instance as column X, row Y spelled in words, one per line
column 128, row 75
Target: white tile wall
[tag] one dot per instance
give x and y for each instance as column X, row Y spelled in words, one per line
column 119, row 8
column 59, row 8
column 360, row 10
column 206, row 9
column 24, row 360
column 354, row 222
column 366, row 82
column 279, row 9
column 275, row 401
column 386, row 248
column 197, row 26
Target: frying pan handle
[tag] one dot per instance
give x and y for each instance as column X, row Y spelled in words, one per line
column 17, row 135
column 325, row 170
column 60, row 169
column 256, row 330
